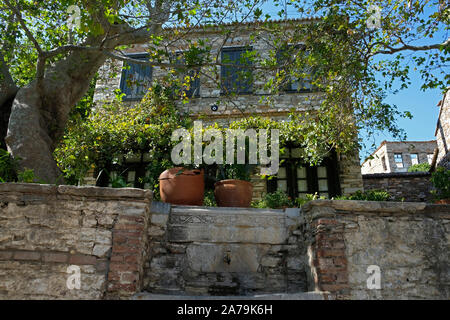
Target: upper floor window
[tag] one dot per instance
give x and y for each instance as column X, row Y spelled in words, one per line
column 295, row 80
column 190, row 78
column 414, row 158
column 398, row 158
column 236, row 74
column 298, row 179
column 136, row 78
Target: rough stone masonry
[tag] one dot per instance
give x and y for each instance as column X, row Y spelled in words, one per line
column 125, row 246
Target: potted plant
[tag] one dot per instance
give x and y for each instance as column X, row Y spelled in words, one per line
column 441, row 181
column 234, row 189
column 182, row 186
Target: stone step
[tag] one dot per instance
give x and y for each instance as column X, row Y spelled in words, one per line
column 269, row 296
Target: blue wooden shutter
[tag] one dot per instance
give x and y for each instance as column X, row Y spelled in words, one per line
column 136, row 79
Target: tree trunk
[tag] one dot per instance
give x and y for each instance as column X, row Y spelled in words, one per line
column 39, row 115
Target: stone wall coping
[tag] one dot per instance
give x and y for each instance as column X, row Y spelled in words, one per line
column 396, row 175
column 370, row 207
column 225, row 210
column 83, row 191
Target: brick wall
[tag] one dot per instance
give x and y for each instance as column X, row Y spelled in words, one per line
column 44, row 229
column 407, row 241
column 409, row 186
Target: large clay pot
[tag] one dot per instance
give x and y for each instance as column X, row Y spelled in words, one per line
column 233, row 193
column 181, row 186
column 442, row 201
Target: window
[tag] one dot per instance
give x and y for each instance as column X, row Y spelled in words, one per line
column 136, row 78
column 298, row 179
column 398, row 158
column 430, row 158
column 236, row 79
column 189, row 77
column 294, row 82
column 414, row 158
column 383, row 162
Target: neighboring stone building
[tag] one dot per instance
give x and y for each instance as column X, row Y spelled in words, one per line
column 443, row 131
column 395, row 156
column 338, row 174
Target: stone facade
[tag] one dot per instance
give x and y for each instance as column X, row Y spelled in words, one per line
column 382, row 160
column 259, row 102
column 409, row 242
column 443, row 132
column 45, row 229
column 406, row 186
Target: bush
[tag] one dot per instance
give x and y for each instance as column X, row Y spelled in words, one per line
column 370, row 195
column 275, row 200
column 420, row 167
column 441, row 181
column 8, row 167
column 116, row 130
column 209, row 199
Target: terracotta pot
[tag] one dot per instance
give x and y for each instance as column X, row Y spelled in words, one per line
column 233, row 193
column 185, row 188
column 442, row 201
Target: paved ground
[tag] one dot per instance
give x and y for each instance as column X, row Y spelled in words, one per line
column 277, row 296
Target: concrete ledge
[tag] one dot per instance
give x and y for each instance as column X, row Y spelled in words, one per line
column 273, row 296
column 370, row 207
column 396, row 175
column 85, row 191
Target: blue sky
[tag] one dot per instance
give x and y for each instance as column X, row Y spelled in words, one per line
column 421, row 104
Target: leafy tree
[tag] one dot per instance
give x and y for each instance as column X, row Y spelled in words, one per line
column 420, row 167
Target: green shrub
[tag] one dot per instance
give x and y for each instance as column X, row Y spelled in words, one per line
column 420, row 167
column 116, row 130
column 441, row 181
column 8, row 167
column 309, row 197
column 275, row 200
column 209, row 200
column 369, row 195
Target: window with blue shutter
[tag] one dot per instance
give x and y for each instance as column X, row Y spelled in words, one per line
column 236, row 79
column 192, row 87
column 136, row 78
column 285, row 56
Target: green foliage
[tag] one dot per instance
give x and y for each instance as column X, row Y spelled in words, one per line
column 209, row 199
column 116, row 130
column 308, row 197
column 369, row 195
column 275, row 200
column 8, row 167
column 441, row 181
column 26, row 176
column 420, row 167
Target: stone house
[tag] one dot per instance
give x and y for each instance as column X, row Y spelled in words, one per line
column 338, row 174
column 442, row 132
column 398, row 156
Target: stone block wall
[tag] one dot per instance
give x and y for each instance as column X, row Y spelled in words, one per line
column 443, row 132
column 409, row 186
column 224, row 251
column 409, row 242
column 45, row 229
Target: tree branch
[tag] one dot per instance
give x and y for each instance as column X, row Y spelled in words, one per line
column 406, row 47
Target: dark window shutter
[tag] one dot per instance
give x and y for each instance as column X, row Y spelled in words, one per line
column 136, row 79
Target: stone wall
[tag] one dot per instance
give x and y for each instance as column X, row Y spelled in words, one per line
column 443, row 132
column 406, row 186
column 44, row 229
column 224, row 251
column 409, row 242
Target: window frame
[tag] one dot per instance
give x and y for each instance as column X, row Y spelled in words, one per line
column 126, row 72
column 292, row 163
column 237, row 86
column 194, row 91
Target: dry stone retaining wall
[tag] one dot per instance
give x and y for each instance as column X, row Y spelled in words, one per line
column 44, row 229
